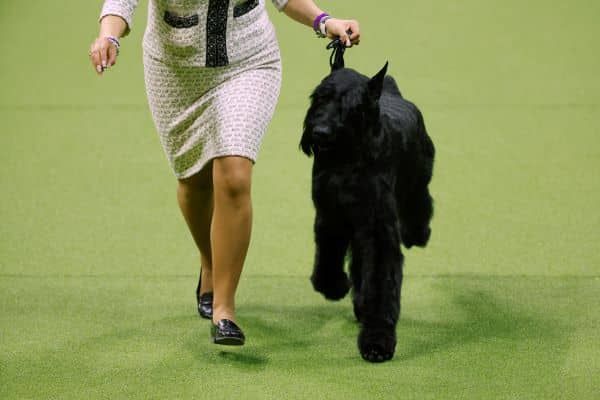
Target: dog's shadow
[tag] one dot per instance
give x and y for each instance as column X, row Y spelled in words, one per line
column 483, row 318
column 284, row 334
column 292, row 332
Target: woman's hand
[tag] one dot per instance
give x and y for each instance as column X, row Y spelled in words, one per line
column 306, row 12
column 340, row 27
column 105, row 49
column 103, row 54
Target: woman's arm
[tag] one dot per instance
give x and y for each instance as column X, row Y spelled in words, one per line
column 115, row 21
column 113, row 25
column 103, row 52
column 306, row 11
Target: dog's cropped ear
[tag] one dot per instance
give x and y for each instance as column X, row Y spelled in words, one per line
column 375, row 85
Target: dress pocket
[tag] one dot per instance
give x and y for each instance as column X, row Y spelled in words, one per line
column 245, row 7
column 181, row 33
column 181, row 22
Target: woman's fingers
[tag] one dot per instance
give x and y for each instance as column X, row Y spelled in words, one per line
column 354, row 36
column 103, row 54
column 96, row 56
column 339, row 28
column 96, row 60
column 345, row 38
column 355, row 28
column 112, row 55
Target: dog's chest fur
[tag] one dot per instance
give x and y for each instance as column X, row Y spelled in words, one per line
column 353, row 192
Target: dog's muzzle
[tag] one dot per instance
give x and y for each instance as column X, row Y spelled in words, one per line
column 322, row 136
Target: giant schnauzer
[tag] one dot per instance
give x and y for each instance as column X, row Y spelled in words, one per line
column 373, row 161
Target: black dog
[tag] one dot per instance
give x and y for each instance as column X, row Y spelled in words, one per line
column 373, row 161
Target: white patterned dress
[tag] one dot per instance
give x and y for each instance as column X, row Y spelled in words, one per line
column 213, row 71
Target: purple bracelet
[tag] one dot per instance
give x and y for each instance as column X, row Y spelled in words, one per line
column 317, row 21
column 115, row 41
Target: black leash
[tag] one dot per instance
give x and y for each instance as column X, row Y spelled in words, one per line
column 336, row 59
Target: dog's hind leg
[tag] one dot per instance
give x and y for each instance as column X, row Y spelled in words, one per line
column 416, row 214
column 328, row 275
column 415, row 205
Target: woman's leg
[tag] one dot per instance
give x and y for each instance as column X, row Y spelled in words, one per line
column 230, row 230
column 195, row 198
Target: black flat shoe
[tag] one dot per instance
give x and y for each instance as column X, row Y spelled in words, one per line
column 204, row 301
column 227, row 333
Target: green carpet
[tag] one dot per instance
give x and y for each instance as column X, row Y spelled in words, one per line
column 97, row 270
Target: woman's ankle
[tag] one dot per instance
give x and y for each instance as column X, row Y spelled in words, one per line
column 206, row 283
column 220, row 313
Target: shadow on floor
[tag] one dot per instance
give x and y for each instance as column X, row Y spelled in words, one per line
column 469, row 316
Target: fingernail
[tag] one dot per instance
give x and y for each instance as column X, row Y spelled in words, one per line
column 99, row 68
column 103, row 64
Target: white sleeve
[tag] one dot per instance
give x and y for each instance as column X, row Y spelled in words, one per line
column 280, row 4
column 121, row 8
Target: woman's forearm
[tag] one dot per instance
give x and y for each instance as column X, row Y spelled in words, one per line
column 112, row 25
column 303, row 11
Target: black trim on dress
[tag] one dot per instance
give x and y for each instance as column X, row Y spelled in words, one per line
column 216, row 33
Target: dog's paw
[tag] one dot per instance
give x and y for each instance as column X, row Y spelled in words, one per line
column 332, row 287
column 416, row 237
column 377, row 345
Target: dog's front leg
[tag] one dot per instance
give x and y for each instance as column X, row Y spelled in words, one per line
column 331, row 241
column 378, row 302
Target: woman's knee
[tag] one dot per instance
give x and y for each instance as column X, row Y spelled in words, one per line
column 232, row 176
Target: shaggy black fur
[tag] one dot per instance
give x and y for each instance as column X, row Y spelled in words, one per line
column 373, row 161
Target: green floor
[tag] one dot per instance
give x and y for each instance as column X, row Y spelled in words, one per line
column 97, row 270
